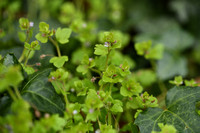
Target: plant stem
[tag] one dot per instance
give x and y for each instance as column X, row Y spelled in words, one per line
column 27, row 57
column 21, row 58
column 22, row 55
column 110, row 89
column 12, row 94
column 109, row 118
column 17, row 93
column 106, row 65
column 97, row 71
column 99, row 122
column 116, row 122
column 56, row 45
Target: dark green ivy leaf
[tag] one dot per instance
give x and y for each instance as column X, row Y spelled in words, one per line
column 39, row 92
column 180, row 112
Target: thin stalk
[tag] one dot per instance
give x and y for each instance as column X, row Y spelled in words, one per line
column 116, row 123
column 110, row 89
column 109, row 118
column 99, row 122
column 56, row 45
column 12, row 94
column 27, row 57
column 21, row 58
column 17, row 93
column 95, row 70
column 106, row 65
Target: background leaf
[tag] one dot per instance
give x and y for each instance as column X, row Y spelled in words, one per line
column 176, row 65
column 180, row 112
column 39, row 92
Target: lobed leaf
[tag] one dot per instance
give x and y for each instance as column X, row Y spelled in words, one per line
column 180, row 112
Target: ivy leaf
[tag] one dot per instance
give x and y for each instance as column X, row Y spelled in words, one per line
column 178, row 80
column 100, row 49
column 29, row 70
column 24, row 23
column 176, row 65
column 130, row 88
column 44, row 27
column 181, row 112
column 22, row 36
column 117, row 107
column 62, row 35
column 9, row 76
column 82, row 69
column 143, row 47
column 33, row 46
column 59, row 61
column 93, row 100
column 39, row 92
column 155, row 52
column 146, row 77
column 41, row 38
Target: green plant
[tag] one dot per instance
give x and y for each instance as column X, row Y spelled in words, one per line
column 85, row 77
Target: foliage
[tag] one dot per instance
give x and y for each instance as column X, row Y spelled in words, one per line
column 99, row 66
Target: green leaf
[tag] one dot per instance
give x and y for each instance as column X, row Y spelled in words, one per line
column 100, row 49
column 166, row 128
column 60, row 74
column 191, row 82
column 155, row 52
column 24, row 23
column 41, row 37
column 10, row 76
column 29, row 70
column 143, row 47
column 176, row 65
column 180, row 112
column 82, row 69
column 117, row 107
column 22, row 36
column 62, row 35
column 92, row 100
column 39, row 92
column 130, row 88
column 19, row 121
column 178, row 80
column 59, row 61
column 107, row 129
column 44, row 27
column 10, row 60
column 146, row 77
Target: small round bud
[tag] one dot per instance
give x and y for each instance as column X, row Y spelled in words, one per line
column 91, row 111
column 42, row 56
column 46, row 115
column 31, row 24
column 98, row 131
column 93, row 79
column 38, row 64
column 37, row 114
column 75, row 112
column 72, row 89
